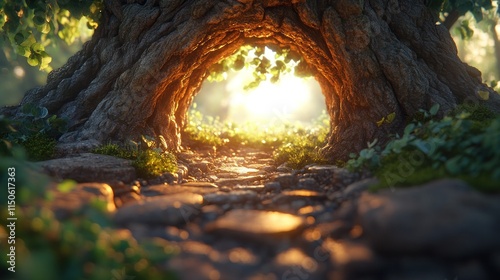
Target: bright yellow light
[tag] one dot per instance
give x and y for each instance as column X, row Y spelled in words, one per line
column 282, row 100
column 289, row 99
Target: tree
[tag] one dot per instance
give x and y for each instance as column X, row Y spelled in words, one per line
column 375, row 60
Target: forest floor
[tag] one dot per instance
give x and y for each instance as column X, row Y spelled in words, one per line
column 234, row 214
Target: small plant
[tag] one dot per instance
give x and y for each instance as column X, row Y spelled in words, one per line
column 39, row 146
column 34, row 129
column 463, row 145
column 151, row 163
column 149, row 160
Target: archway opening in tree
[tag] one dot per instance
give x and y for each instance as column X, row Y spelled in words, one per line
column 263, row 88
column 259, row 97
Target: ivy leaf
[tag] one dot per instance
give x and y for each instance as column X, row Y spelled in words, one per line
column 434, row 109
column 409, row 128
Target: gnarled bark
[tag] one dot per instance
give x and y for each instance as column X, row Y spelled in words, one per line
column 147, row 60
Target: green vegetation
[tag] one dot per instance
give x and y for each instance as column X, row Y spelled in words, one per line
column 28, row 27
column 39, row 146
column 84, row 246
column 34, row 129
column 148, row 160
column 464, row 145
column 294, row 144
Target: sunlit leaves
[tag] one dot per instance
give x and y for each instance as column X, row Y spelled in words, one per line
column 24, row 23
column 266, row 63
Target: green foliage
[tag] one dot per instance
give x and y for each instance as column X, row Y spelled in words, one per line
column 34, row 129
column 265, row 66
column 84, row 246
column 27, row 27
column 39, row 146
column 475, row 7
column 463, row 145
column 116, row 151
column 293, row 144
column 149, row 161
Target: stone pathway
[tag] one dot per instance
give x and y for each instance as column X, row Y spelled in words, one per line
column 236, row 215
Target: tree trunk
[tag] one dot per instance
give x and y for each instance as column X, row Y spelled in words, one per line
column 146, row 61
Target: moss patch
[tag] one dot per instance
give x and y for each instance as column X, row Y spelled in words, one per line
column 149, row 163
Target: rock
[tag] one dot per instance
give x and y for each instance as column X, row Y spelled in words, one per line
column 272, row 187
column 284, row 168
column 243, row 180
column 230, row 197
column 295, row 264
column 156, row 190
column 307, row 183
column 203, row 166
column 257, row 224
column 414, row 268
column 168, row 178
column 211, row 212
column 358, row 187
column 163, row 210
column 255, row 188
column 321, row 168
column 446, row 218
column 77, row 200
column 90, row 168
column 285, row 180
column 303, row 194
column 195, row 261
column 200, row 185
column 239, row 170
column 126, row 198
column 297, row 195
column 351, row 258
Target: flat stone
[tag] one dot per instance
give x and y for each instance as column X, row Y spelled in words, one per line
column 307, row 183
column 240, row 170
column 90, row 168
column 204, row 166
column 257, row 223
column 200, row 185
column 238, row 196
column 163, row 210
column 272, row 187
column 297, row 195
column 445, row 217
column 79, row 199
column 321, row 168
column 255, row 188
column 350, row 257
column 294, row 263
column 303, row 193
column 358, row 187
column 240, row 180
column 163, row 189
column 285, row 180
